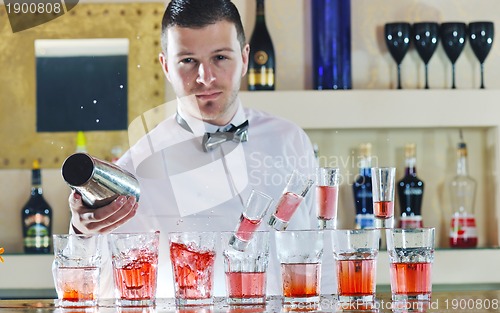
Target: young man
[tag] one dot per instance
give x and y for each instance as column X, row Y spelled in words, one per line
column 189, row 180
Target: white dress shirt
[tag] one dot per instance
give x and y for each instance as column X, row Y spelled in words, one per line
column 184, row 188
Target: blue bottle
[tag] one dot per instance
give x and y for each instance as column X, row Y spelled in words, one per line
column 331, row 38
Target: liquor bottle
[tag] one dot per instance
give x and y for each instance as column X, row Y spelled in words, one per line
column 410, row 192
column 81, row 142
column 261, row 62
column 463, row 233
column 331, row 44
column 36, row 217
column 362, row 189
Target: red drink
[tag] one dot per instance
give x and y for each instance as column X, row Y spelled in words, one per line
column 193, row 271
column 246, row 285
column 247, row 227
column 327, row 202
column 137, row 280
column 411, row 279
column 301, row 280
column 287, row 205
column 77, row 286
column 356, row 278
column 383, row 209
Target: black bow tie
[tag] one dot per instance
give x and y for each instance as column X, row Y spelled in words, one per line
column 234, row 133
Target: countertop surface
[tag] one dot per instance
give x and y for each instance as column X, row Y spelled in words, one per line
column 459, row 301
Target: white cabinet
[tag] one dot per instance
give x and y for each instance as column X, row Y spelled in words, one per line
column 339, row 120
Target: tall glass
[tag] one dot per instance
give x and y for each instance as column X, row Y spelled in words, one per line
column 76, row 270
column 135, row 267
column 383, row 179
column 246, row 270
column 355, row 252
column 192, row 255
column 300, row 253
column 296, row 189
column 411, row 254
column 256, row 207
column 327, row 191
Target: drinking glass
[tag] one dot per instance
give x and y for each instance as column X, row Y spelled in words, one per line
column 135, row 267
column 296, row 189
column 355, row 252
column 246, row 270
column 481, row 39
column 453, row 36
column 383, row 179
column 426, row 36
column 397, row 38
column 256, row 207
column 327, row 190
column 299, row 253
column 76, row 270
column 192, row 255
column 411, row 253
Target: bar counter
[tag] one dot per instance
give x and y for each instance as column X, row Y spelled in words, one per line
column 449, row 301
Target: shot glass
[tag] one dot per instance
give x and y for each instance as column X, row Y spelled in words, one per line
column 296, row 189
column 192, row 255
column 327, row 190
column 246, row 270
column 383, row 196
column 355, row 252
column 135, row 267
column 76, row 269
column 300, row 253
column 256, row 207
column 411, row 254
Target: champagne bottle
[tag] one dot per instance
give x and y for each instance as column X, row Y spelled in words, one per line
column 261, row 62
column 463, row 232
column 410, row 192
column 36, row 217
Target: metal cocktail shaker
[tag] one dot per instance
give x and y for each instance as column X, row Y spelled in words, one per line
column 99, row 182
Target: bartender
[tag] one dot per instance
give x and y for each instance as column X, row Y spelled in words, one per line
column 190, row 182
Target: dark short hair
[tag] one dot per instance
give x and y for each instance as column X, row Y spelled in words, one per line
column 198, row 14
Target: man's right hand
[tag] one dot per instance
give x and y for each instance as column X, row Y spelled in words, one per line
column 101, row 220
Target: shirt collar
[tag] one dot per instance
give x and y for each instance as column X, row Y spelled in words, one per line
column 199, row 127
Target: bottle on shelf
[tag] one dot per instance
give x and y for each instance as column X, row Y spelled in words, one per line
column 81, row 142
column 410, row 192
column 36, row 217
column 262, row 61
column 331, row 44
column 463, row 232
column 362, row 189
